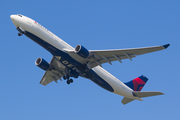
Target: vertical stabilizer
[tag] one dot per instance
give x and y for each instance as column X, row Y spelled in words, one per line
column 138, row 83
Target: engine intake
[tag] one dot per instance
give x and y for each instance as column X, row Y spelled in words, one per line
column 40, row 62
column 82, row 51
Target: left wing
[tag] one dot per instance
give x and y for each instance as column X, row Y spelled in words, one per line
column 56, row 72
column 107, row 56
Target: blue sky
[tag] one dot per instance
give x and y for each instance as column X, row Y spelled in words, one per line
column 95, row 24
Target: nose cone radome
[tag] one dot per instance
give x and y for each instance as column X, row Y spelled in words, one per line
column 14, row 19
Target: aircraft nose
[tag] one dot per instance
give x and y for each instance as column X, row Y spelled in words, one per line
column 12, row 17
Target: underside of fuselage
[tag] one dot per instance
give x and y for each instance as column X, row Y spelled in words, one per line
column 70, row 63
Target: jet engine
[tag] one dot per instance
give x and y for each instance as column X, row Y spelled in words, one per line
column 40, row 62
column 82, row 51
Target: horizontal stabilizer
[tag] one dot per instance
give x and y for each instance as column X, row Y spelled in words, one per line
column 126, row 100
column 146, row 94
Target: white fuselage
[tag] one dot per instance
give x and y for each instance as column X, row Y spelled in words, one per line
column 32, row 27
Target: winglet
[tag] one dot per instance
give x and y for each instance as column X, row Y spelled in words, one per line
column 166, row 46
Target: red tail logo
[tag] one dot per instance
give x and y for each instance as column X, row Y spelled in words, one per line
column 138, row 83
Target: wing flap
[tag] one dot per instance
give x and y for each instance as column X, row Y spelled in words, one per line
column 46, row 78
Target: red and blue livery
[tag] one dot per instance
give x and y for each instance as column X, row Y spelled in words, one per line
column 138, row 83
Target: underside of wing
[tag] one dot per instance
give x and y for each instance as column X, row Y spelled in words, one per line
column 107, row 56
column 56, row 71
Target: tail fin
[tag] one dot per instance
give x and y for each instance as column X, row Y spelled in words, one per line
column 138, row 83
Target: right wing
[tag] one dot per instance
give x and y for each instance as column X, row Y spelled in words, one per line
column 57, row 71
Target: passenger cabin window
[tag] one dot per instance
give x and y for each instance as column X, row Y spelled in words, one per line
column 20, row 15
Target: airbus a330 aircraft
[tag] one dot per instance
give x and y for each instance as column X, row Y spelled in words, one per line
column 68, row 62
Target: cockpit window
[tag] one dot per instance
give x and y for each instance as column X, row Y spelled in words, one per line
column 19, row 15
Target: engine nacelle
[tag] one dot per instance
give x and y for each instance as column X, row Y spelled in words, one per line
column 40, row 62
column 82, row 51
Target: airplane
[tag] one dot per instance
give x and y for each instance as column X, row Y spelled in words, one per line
column 68, row 62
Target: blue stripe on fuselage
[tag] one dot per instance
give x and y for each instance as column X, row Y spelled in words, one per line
column 66, row 57
column 98, row 80
column 54, row 51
